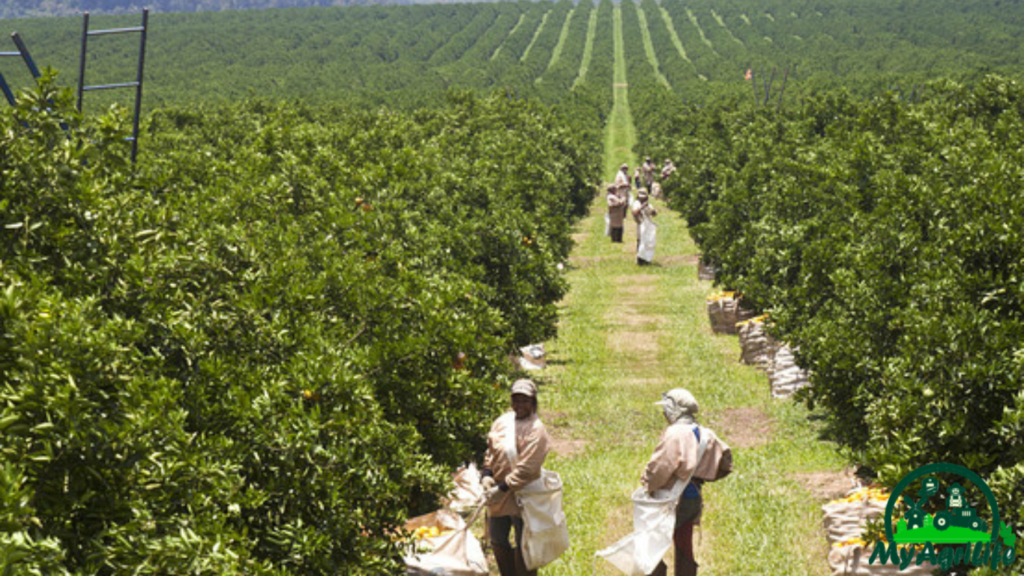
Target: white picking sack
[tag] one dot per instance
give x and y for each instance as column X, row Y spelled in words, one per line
column 468, row 491
column 458, row 553
column 545, row 530
column 533, row 357
column 654, row 521
column 648, row 235
column 607, row 225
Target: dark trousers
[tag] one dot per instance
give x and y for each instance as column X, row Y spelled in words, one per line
column 616, row 234
column 501, row 526
column 687, row 515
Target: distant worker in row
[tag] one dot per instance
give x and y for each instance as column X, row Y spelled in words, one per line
column 646, row 229
column 647, row 170
column 622, row 176
column 668, row 169
column 616, row 198
column 644, row 179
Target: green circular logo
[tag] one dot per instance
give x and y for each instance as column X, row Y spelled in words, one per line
column 930, row 486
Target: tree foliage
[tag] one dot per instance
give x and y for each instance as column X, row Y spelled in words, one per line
column 242, row 357
column 883, row 239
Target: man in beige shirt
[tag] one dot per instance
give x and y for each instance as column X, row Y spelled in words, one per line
column 616, row 216
column 505, row 471
column 643, row 215
column 678, row 456
column 622, row 176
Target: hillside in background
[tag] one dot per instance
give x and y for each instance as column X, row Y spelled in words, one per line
column 408, row 56
column 39, row 8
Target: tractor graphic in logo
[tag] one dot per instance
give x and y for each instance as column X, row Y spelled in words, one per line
column 956, row 535
column 915, row 516
column 959, row 522
column 958, row 512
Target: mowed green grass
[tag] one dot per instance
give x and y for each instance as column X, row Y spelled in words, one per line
column 627, row 334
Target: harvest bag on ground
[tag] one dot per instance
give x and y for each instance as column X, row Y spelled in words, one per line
column 458, row 554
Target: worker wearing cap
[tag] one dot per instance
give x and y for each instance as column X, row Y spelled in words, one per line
column 668, row 169
column 622, row 176
column 616, row 217
column 501, row 478
column 643, row 215
column 678, row 456
column 647, row 170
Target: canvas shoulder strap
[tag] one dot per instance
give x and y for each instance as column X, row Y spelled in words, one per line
column 701, row 447
column 509, row 444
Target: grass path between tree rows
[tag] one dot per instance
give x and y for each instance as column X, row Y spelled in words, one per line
column 626, row 335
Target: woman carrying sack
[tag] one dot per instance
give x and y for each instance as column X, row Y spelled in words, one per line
column 507, row 469
column 679, row 456
column 646, row 229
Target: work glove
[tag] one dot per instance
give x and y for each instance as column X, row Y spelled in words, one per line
column 493, row 495
column 487, row 482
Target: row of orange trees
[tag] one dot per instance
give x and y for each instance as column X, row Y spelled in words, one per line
column 261, row 349
column 884, row 238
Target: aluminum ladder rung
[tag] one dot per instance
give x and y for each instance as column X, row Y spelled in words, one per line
column 109, row 86
column 82, row 88
column 116, row 31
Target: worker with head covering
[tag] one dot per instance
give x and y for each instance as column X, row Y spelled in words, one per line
column 616, row 217
column 502, row 477
column 647, row 170
column 679, row 455
column 646, row 230
column 622, row 176
column 668, row 169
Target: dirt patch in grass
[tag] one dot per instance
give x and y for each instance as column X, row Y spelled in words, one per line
column 636, row 345
column 643, row 382
column 635, row 294
column 631, row 319
column 554, row 419
column 674, row 260
column 580, row 238
column 635, row 279
column 567, row 448
column 825, row 486
column 747, row 427
column 587, row 261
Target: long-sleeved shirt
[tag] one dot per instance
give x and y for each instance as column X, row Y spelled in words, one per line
column 615, row 204
column 532, row 447
column 676, row 457
column 621, row 178
column 642, row 211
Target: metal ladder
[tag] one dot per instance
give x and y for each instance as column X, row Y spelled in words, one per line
column 24, row 55
column 137, row 84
